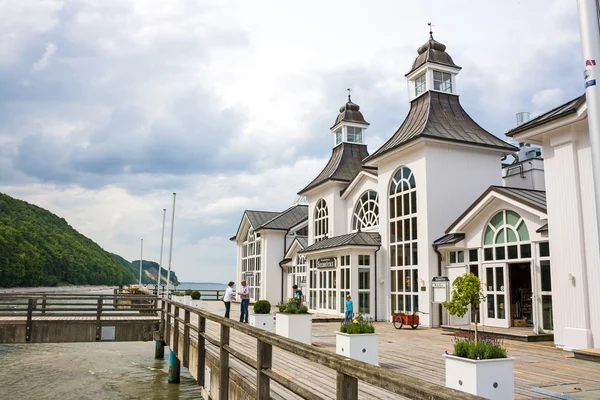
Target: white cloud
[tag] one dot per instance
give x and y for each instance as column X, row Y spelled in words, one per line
column 43, row 62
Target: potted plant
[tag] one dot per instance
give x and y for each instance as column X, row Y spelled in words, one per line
column 357, row 339
column 262, row 318
column 195, row 301
column 479, row 367
column 178, row 297
column 294, row 321
column 187, row 297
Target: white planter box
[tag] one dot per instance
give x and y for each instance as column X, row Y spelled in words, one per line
column 178, row 299
column 262, row 321
column 294, row 326
column 492, row 379
column 195, row 303
column 187, row 299
column 362, row 347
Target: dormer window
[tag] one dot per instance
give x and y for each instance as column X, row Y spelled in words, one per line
column 442, row 81
column 338, row 136
column 355, row 135
column 420, row 84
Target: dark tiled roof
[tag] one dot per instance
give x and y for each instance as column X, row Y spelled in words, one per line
column 351, row 239
column 440, row 116
column 343, row 165
column 349, row 112
column 533, row 198
column 434, row 52
column 257, row 218
column 543, row 228
column 568, row 108
column 303, row 240
column 286, row 219
column 450, row 238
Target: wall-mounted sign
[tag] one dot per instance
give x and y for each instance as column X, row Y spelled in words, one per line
column 328, row 262
column 440, row 286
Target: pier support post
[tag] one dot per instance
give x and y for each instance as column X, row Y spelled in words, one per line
column 159, row 349
column 174, row 367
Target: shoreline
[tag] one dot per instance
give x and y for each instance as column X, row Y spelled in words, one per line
column 57, row 289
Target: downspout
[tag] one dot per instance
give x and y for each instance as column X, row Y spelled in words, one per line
column 376, row 281
column 435, row 247
column 280, row 266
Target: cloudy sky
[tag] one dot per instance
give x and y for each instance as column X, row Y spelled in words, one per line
column 107, row 107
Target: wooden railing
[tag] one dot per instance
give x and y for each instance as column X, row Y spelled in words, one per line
column 75, row 305
column 205, row 294
column 349, row 372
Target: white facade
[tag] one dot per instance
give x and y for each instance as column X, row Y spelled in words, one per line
column 572, row 224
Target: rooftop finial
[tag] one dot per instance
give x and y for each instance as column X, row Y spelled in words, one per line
column 430, row 30
column 349, row 100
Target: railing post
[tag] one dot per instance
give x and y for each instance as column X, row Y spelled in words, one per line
column 264, row 360
column 99, row 317
column 347, row 387
column 44, row 304
column 201, row 351
column 176, row 331
column 168, row 325
column 186, row 339
column 224, row 356
column 30, row 306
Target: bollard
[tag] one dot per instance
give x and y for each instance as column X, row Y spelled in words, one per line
column 159, row 349
column 174, row 366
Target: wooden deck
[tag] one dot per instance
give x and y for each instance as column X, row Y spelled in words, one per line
column 418, row 353
column 514, row 333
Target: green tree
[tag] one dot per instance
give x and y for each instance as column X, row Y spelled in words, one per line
column 466, row 291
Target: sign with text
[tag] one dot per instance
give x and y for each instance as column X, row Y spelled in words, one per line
column 328, row 262
column 440, row 286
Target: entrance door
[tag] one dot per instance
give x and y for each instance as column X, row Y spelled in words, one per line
column 521, row 293
column 328, row 291
column 496, row 296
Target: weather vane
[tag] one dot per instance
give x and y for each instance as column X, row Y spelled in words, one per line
column 430, row 30
column 349, row 95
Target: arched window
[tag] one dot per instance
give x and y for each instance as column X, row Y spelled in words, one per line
column 403, row 241
column 506, row 237
column 251, row 251
column 366, row 211
column 321, row 220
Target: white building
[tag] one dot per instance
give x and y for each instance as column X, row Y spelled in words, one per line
column 435, row 200
column 563, row 133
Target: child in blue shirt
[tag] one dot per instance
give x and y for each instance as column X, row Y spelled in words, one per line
column 349, row 309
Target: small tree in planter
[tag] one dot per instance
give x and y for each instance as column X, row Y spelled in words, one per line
column 358, row 340
column 195, row 301
column 262, row 318
column 294, row 321
column 479, row 367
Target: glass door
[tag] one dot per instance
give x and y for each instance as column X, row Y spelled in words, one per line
column 496, row 293
column 328, row 291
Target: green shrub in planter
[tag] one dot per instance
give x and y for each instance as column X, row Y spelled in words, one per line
column 262, row 307
column 292, row 307
column 303, row 310
column 357, row 326
column 195, row 295
column 483, row 349
column 188, row 292
column 177, row 294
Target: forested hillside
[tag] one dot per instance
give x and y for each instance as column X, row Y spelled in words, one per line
column 149, row 269
column 37, row 248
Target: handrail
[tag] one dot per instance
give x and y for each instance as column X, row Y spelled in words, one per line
column 349, row 371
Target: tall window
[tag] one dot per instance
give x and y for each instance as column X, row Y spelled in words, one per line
column 546, row 286
column 312, row 285
column 364, row 284
column 344, row 281
column 442, row 81
column 506, row 238
column 251, row 251
column 338, row 136
column 355, row 135
column 421, row 84
column 366, row 211
column 299, row 273
column 321, row 220
column 403, row 241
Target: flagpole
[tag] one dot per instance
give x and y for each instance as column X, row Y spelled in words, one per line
column 171, row 244
column 141, row 257
column 590, row 42
column 162, row 239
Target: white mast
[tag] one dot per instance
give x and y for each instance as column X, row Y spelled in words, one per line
column 162, row 237
column 590, row 43
column 171, row 245
column 141, row 257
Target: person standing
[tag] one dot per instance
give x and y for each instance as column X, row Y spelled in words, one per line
column 228, row 298
column 298, row 295
column 349, row 309
column 245, row 298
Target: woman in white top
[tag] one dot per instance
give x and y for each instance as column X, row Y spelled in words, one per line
column 228, row 298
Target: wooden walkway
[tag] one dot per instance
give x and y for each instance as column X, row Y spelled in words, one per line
column 20, row 319
column 417, row 353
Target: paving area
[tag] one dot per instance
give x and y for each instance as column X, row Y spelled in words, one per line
column 541, row 370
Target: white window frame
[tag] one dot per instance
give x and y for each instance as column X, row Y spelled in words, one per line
column 442, row 82
column 421, row 84
column 366, row 211
column 321, row 220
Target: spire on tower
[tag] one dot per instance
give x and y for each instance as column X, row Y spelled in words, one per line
column 349, row 100
column 430, row 30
